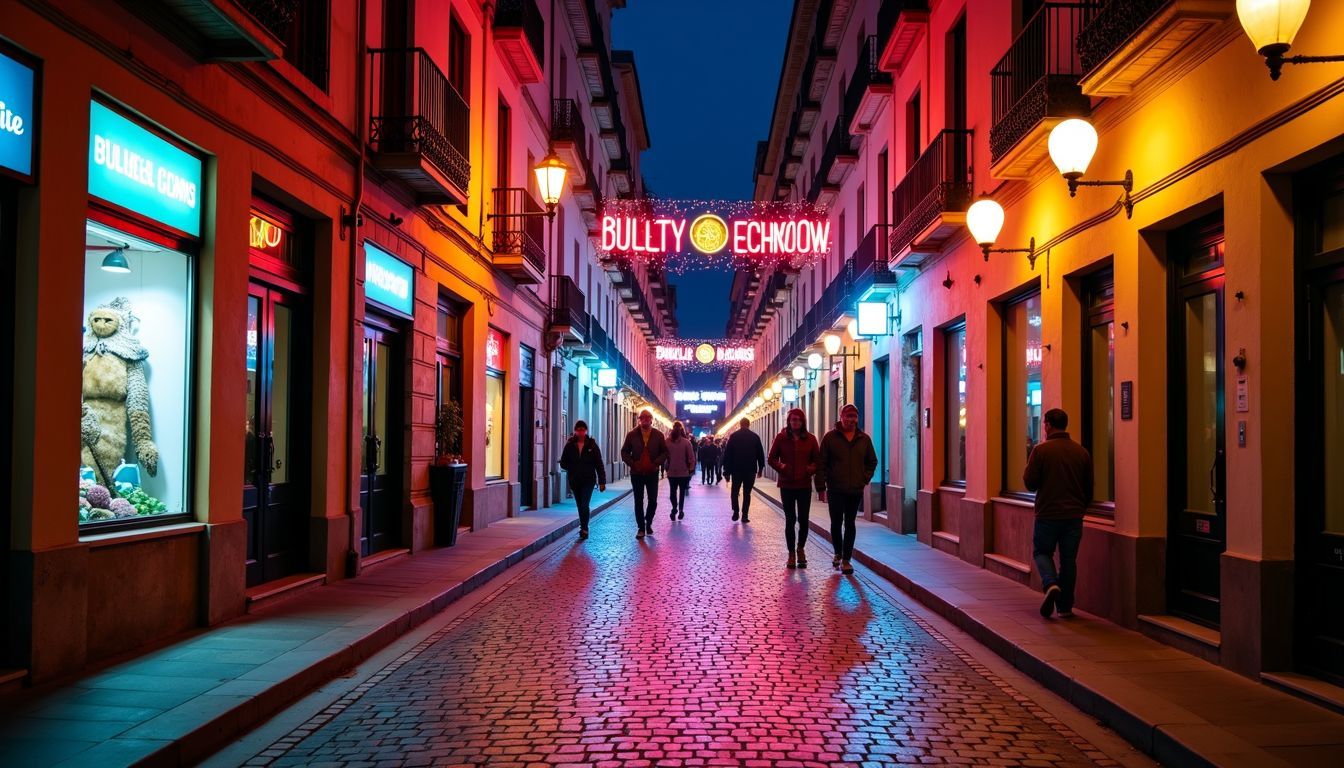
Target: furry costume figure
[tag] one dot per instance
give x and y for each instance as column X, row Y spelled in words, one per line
column 115, row 391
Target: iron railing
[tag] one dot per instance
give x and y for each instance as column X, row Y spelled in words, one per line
column 567, row 125
column 524, row 14
column 567, row 305
column 518, row 226
column 841, row 143
column 939, row 181
column 416, row 110
column 872, row 259
column 1039, row 74
column 275, row 15
column 867, row 73
column 1110, row 25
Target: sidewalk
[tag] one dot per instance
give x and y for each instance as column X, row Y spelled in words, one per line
column 1179, row 709
column 176, row 705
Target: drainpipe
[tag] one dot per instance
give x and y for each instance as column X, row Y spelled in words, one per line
column 361, row 132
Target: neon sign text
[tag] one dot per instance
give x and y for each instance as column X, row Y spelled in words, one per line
column 698, row 397
column 637, row 235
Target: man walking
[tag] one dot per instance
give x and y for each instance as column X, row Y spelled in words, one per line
column 1060, row 472
column 644, row 451
column 743, row 462
column 709, row 460
column 847, row 464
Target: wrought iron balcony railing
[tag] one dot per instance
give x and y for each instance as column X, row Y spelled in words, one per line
column 841, row 147
column 867, row 74
column 567, row 307
column 872, row 261
column 939, row 181
column 525, row 15
column 570, row 134
column 1110, row 26
column 416, row 112
column 275, row 15
column 518, row 227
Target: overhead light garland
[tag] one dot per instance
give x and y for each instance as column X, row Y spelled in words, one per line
column 703, row 354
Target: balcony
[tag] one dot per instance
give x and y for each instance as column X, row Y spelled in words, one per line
column 420, row 126
column 569, row 139
column 619, row 176
column 1035, row 86
column 1126, row 40
column 569, row 319
column 872, row 265
column 520, row 35
column 223, row 30
column 868, row 91
column 901, row 24
column 777, row 290
column 929, row 204
column 520, row 231
column 820, row 57
column 838, row 160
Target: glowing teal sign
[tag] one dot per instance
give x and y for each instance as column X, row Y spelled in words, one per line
column 17, row 127
column 138, row 170
column 388, row 280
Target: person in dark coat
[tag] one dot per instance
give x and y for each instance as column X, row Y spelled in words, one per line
column 644, row 451
column 847, row 464
column 1060, row 472
column 794, row 454
column 709, row 460
column 582, row 461
column 743, row 462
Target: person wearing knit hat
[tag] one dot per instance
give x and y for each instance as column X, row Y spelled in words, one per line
column 794, row 454
column 847, row 465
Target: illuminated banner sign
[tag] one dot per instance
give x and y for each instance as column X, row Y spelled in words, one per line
column 700, row 409
column 737, row 232
column 494, row 349
column 606, row 378
column 388, row 280
column 140, row 171
column 17, row 127
column 700, row 397
column 704, row 353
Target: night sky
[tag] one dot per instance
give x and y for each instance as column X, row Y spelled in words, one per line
column 708, row 70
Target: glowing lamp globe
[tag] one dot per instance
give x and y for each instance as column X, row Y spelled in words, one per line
column 984, row 218
column 852, row 329
column 832, row 343
column 1072, row 145
column 777, row 386
column 551, row 172
column 799, row 373
column 1272, row 24
column 814, row 360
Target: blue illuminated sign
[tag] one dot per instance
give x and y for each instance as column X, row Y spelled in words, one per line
column 388, row 280
column 17, row 127
column 139, row 171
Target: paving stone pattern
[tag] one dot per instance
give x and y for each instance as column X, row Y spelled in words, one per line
column 694, row 647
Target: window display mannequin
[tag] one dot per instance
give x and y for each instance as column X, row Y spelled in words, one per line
column 115, row 392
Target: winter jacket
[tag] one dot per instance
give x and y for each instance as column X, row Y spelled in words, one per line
column 795, row 459
column 584, row 467
column 744, row 455
column 642, row 460
column 680, row 458
column 846, row 465
column 1060, row 472
column 709, row 454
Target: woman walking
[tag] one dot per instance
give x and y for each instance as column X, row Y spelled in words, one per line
column 794, row 455
column 582, row 461
column 680, row 464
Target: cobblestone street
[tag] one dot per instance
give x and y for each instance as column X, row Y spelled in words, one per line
column 692, row 647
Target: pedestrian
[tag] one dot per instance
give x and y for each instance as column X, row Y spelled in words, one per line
column 709, row 460
column 680, row 465
column 582, row 461
column 743, row 462
column 722, row 445
column 847, row 464
column 644, row 451
column 1060, row 472
column 794, row 454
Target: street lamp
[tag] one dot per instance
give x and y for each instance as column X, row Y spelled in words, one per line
column 1272, row 25
column 778, row 385
column 814, row 361
column 985, row 218
column 551, row 172
column 1072, row 144
column 832, row 344
column 799, row 373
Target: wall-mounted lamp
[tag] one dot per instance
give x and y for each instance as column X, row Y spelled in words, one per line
column 985, row 218
column 1272, row 25
column 115, row 261
column 799, row 373
column 550, row 173
column 778, row 385
column 814, row 361
column 1072, row 144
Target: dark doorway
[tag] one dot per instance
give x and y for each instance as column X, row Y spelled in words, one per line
column 912, row 402
column 380, row 480
column 8, row 244
column 1197, row 519
column 527, row 439
column 1320, row 426
column 882, row 430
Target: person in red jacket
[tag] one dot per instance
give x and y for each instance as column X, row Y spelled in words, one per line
column 794, row 455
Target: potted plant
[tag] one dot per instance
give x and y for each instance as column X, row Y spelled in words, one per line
column 448, row 474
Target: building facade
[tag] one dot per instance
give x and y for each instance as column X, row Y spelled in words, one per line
column 318, row 223
column 1189, row 324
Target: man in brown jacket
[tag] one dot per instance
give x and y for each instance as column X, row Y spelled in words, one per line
column 1060, row 472
column 846, row 466
column 644, row 451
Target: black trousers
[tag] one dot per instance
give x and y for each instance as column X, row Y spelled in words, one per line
column 583, row 497
column 706, row 474
column 676, row 491
column 646, row 486
column 743, row 485
column 797, row 504
column 844, row 509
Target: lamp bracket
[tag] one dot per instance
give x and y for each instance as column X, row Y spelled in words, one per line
column 1275, row 61
column 1030, row 250
column 1126, row 184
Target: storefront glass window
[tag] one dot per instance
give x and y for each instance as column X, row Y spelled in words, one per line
column 954, row 404
column 1022, row 387
column 136, row 375
column 494, row 425
column 1099, row 386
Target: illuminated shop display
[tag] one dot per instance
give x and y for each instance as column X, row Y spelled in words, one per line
column 18, row 82
column 495, row 347
column 133, row 167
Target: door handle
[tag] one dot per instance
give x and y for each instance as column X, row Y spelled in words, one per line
column 1213, row 476
column 268, row 454
column 375, row 445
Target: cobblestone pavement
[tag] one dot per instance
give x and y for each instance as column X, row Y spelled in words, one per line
column 692, row 647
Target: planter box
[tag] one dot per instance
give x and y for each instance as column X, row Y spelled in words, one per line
column 447, row 485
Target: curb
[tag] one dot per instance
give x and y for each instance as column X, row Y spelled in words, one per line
column 216, row 732
column 1149, row 737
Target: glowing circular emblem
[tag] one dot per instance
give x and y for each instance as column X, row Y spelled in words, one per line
column 709, row 234
column 704, row 354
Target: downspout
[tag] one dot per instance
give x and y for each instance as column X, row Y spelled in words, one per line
column 361, row 132
column 548, row 430
column 487, row 26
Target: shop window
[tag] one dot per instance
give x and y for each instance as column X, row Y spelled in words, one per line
column 449, row 354
column 954, row 404
column 1021, row 387
column 307, row 45
column 136, row 378
column 1099, row 383
column 495, row 347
